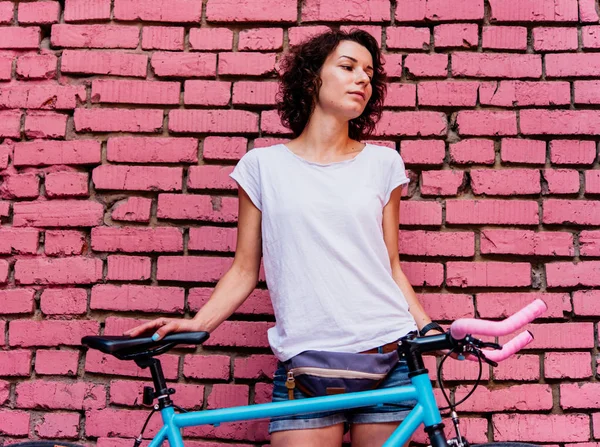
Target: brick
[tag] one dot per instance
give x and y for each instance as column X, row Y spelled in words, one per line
column 270, row 122
column 4, row 391
column 375, row 31
column 472, row 151
column 46, row 394
column 41, row 12
column 565, row 152
column 503, row 305
column 456, row 35
column 167, row 64
column 137, row 178
column 10, row 123
column 567, row 274
column 118, row 120
column 127, row 392
column 72, row 270
column 567, row 365
column 279, row 11
column 434, row 243
column 26, row 333
column 489, row 211
column 533, row 11
column 163, row 38
column 524, row 93
column 82, row 10
column 191, row 268
column 299, row 34
column 580, row 212
column 572, row 64
column 187, row 11
column 443, row 306
column 207, row 93
column 254, row 367
column 590, row 37
column 16, row 362
column 484, row 122
column 67, row 184
column 252, row 334
column 589, row 243
column 408, row 37
column 448, row 94
column 2, row 336
column 559, row 336
column 561, row 181
column 58, row 425
column 64, row 302
column 541, row 427
column 517, row 150
column 17, row 301
column 64, row 242
column 427, row 65
column 99, row 363
column 462, row 371
column 504, row 38
column 506, row 65
column 135, row 92
column 425, row 152
column 520, row 367
column 474, row 429
column 421, row 213
column 586, row 92
column 36, row 66
column 104, row 62
column 555, row 39
column 587, row 11
column 213, row 239
column 246, row 64
column 6, row 12
column 58, row 213
column 258, row 303
column 41, row 95
column 139, row 298
column 505, row 182
column 115, row 422
column 338, row 10
column 6, row 61
column 592, row 182
column 254, row 93
column 18, row 241
column 128, row 268
column 56, row 362
column 586, row 302
column 4, row 268
column 132, row 209
column 94, row 36
column 210, row 177
column 211, row 39
column 152, row 150
column 206, row 366
column 196, row 207
column 5, row 151
column 225, row 395
column 133, row 240
column 45, row 125
column 204, row 121
column 488, row 274
column 39, row 153
column 424, row 273
column 539, row 397
column 260, row 39
column 441, row 183
column 25, row 186
column 401, row 95
column 412, row 124
column 439, row 10
column 14, row 422
column 523, row 242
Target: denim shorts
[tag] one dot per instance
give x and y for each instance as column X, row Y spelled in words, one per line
column 363, row 415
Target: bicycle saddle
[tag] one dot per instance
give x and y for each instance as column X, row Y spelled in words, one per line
column 127, row 348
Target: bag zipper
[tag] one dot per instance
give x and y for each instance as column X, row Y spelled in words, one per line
column 334, row 373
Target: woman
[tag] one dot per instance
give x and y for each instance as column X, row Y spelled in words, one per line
column 324, row 210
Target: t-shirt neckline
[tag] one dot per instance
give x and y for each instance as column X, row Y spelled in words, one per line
column 333, row 163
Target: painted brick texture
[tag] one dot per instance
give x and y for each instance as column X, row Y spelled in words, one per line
column 120, row 121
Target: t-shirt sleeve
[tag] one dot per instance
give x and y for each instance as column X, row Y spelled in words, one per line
column 247, row 174
column 397, row 176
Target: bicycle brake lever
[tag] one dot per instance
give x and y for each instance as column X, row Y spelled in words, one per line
column 486, row 360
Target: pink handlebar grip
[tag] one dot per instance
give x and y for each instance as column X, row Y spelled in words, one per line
column 509, row 348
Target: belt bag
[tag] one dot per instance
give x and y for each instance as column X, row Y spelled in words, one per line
column 319, row 373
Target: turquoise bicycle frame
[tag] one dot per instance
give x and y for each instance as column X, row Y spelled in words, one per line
column 425, row 412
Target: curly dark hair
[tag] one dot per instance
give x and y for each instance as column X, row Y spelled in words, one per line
column 300, row 82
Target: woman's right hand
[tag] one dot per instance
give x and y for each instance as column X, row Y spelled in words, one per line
column 163, row 326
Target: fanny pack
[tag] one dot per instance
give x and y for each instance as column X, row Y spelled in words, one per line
column 319, row 373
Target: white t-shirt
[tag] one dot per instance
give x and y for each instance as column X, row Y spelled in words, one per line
column 326, row 264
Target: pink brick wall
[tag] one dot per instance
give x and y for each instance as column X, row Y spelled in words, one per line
column 120, row 121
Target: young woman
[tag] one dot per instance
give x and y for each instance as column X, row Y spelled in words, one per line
column 323, row 211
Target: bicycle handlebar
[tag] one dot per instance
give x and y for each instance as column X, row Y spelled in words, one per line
column 463, row 326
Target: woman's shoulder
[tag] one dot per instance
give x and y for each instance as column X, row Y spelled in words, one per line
column 384, row 153
column 263, row 152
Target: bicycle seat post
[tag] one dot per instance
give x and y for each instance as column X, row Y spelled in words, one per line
column 161, row 392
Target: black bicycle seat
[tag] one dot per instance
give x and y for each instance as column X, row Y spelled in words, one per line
column 128, row 348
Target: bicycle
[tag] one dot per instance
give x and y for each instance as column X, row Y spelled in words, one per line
column 457, row 339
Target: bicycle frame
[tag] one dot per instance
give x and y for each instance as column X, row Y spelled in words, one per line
column 425, row 412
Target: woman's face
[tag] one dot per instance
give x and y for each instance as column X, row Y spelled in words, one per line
column 346, row 80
